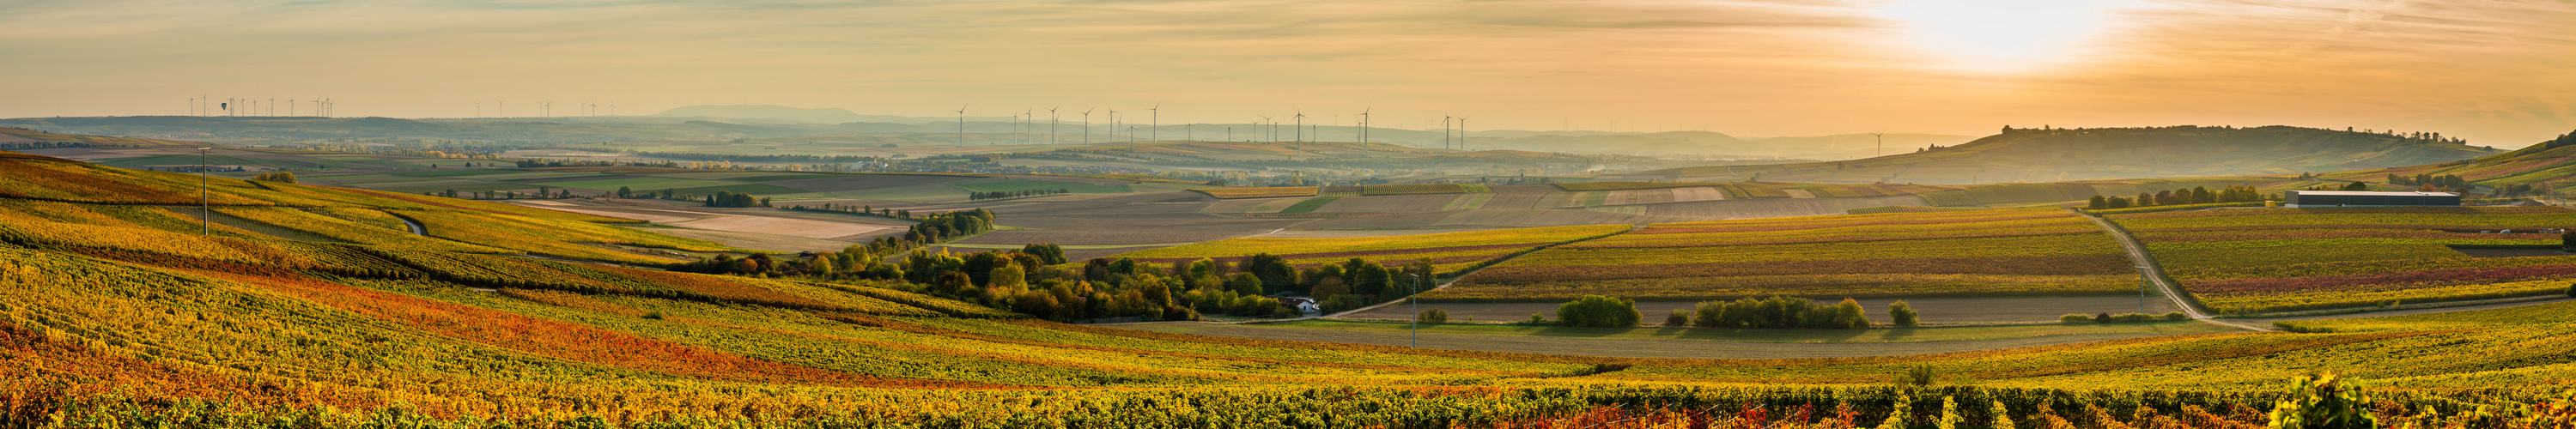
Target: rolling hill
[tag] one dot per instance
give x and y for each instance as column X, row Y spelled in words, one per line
column 303, row 306
column 2049, row 155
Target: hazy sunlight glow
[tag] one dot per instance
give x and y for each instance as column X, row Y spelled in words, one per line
column 2002, row 35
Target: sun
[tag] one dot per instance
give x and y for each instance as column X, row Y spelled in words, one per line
column 2004, row 35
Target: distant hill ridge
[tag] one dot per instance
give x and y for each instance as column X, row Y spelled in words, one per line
column 2062, row 154
column 2551, row 162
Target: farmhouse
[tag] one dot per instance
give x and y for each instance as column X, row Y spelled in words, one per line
column 2369, row 199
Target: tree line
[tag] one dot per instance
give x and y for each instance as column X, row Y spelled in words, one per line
column 995, row 195
column 2195, row 195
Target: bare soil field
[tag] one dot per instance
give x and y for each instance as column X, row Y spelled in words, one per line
column 1617, row 347
column 1389, row 204
column 864, row 181
column 1697, row 194
column 1934, row 310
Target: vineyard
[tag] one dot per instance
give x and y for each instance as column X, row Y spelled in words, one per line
column 2249, row 261
column 116, row 312
column 1980, row 253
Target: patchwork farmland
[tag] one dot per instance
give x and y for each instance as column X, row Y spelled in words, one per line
column 1982, row 253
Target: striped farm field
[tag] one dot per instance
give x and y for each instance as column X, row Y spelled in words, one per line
column 1982, row 253
column 2245, row 261
column 1235, row 193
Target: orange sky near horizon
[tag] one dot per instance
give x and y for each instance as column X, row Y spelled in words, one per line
column 2500, row 72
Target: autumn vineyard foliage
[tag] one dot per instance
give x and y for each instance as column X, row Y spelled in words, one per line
column 1980, row 253
column 2273, row 260
column 118, row 309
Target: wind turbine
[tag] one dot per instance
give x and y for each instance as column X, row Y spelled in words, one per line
column 1086, row 127
column 1265, row 121
column 1051, row 120
column 1444, row 131
column 1882, row 143
column 290, row 108
column 1113, row 124
column 1301, row 136
column 1155, row 128
column 1364, row 124
column 1028, row 126
column 272, row 107
column 961, row 125
column 478, row 110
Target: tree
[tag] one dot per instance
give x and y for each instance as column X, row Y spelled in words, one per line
column 1850, row 315
column 2119, row 202
column 1598, row 311
column 2098, row 203
column 624, row 192
column 1902, row 314
column 2357, row 186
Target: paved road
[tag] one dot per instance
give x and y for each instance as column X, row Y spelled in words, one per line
column 2138, row 255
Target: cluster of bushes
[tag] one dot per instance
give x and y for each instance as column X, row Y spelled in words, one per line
column 730, row 199
column 2123, row 318
column 1784, row 312
column 2195, row 195
column 1775, row 312
column 277, row 177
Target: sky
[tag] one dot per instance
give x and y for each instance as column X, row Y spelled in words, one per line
column 2498, row 72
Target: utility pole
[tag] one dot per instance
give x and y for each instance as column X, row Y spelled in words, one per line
column 1417, row 309
column 2142, row 289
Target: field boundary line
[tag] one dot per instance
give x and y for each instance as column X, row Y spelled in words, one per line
column 2154, row 273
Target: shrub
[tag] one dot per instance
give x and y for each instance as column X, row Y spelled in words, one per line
column 1432, row 316
column 2075, row 318
column 2101, row 317
column 1598, row 311
column 2134, row 318
column 1537, row 319
column 1918, row 375
column 1678, row 318
column 2571, row 290
column 2176, row 317
column 2318, row 402
column 655, row 315
column 1902, row 314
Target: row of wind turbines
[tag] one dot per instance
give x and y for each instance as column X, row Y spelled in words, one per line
column 1451, row 137
column 545, row 109
column 208, row 105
